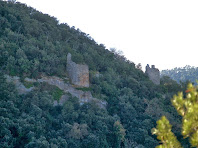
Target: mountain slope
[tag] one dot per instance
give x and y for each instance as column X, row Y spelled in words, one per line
column 33, row 44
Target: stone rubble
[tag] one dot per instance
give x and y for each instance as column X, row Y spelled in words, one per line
column 84, row 96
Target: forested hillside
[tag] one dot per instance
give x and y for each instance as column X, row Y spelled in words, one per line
column 183, row 74
column 33, row 44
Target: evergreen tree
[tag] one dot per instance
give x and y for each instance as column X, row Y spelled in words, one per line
column 188, row 109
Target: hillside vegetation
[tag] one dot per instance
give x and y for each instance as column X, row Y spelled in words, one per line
column 34, row 44
column 182, row 74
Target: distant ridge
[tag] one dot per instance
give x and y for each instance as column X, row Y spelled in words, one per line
column 187, row 73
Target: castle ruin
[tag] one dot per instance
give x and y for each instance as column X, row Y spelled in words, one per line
column 153, row 74
column 78, row 73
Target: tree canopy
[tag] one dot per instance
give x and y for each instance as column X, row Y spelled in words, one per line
column 188, row 109
column 182, row 74
column 34, row 44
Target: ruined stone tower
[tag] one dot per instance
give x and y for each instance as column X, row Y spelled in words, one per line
column 78, row 73
column 153, row 74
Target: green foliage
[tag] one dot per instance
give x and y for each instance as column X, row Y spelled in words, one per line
column 78, row 131
column 52, row 89
column 57, row 93
column 169, row 85
column 188, row 109
column 32, row 121
column 165, row 135
column 84, row 88
column 28, row 84
column 119, row 130
column 182, row 74
column 34, row 44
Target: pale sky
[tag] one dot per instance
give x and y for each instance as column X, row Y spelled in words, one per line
column 163, row 33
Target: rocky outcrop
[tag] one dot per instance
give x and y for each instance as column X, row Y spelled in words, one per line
column 62, row 100
column 153, row 74
column 19, row 86
column 78, row 73
column 84, row 96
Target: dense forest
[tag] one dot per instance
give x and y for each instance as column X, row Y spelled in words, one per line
column 34, row 44
column 182, row 74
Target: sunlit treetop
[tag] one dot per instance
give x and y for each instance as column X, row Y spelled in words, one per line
column 186, row 107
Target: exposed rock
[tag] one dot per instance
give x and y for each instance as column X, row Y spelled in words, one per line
column 62, row 100
column 55, row 103
column 78, row 73
column 79, row 76
column 30, row 80
column 19, row 86
column 84, row 96
column 153, row 74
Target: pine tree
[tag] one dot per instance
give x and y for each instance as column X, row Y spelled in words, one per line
column 188, row 108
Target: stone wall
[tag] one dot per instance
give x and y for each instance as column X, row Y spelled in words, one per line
column 84, row 96
column 153, row 74
column 78, row 73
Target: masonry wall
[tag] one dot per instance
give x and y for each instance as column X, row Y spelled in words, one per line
column 153, row 74
column 78, row 73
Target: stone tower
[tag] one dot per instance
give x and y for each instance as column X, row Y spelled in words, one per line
column 153, row 74
column 78, row 73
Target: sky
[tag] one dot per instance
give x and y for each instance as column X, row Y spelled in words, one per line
column 163, row 33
